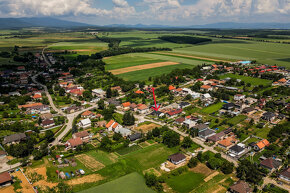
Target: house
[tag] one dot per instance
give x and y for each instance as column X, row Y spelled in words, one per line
column 282, row 81
column 5, row 179
column 241, row 187
column 239, row 97
column 201, row 127
column 113, row 101
column 217, row 137
column 189, row 123
column 271, row 164
column 47, row 123
column 261, row 145
column 157, row 113
column 171, row 88
column 177, row 158
column 268, row 116
column 236, row 150
column 206, row 88
column 228, row 106
column 285, row 175
column 99, row 93
column 112, row 125
column 85, row 123
column 73, row 143
column 2, row 154
column 225, row 143
column 84, row 135
column 135, row 136
column 142, row 108
column 126, row 105
column 174, row 112
column 46, row 116
column 88, row 114
column 133, row 107
column 14, row 138
column 249, row 110
column 183, row 105
column 139, row 92
column 204, row 134
column 123, row 131
column 179, row 120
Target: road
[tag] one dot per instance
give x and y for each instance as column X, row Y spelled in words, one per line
column 268, row 180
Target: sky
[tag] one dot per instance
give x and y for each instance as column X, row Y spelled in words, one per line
column 161, row 12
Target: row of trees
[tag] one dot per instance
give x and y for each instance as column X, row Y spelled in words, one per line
column 184, row 39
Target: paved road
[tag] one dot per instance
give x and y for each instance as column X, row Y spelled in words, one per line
column 268, row 180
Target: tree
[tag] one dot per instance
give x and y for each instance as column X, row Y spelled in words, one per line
column 150, row 179
column 128, row 119
column 101, row 104
column 117, row 136
column 187, row 142
column 188, row 97
column 214, row 163
column 171, row 138
column 49, row 136
column 192, row 162
column 106, row 143
column 64, row 188
column 227, row 167
column 249, row 171
column 61, row 92
column 109, row 93
column 156, row 132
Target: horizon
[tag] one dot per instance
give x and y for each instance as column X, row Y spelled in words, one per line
column 151, row 12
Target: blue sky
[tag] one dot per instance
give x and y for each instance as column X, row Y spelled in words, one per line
column 164, row 12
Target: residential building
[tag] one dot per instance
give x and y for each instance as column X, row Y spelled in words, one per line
column 285, row 175
column 14, row 138
column 182, row 105
column 228, row 106
column 123, row 131
column 206, row 88
column 157, row 113
column 261, row 145
column 135, row 136
column 236, row 150
column 47, row 123
column 217, row 137
column 201, row 127
column 5, row 179
column 73, row 143
column 241, row 187
column 239, row 97
column 269, row 116
column 177, row 158
column 204, row 134
column 112, row 125
column 85, row 123
column 83, row 135
column 46, row 116
column 88, row 114
column 126, row 106
column 142, row 108
column 271, row 164
column 189, row 123
column 99, row 93
column 174, row 112
column 225, row 143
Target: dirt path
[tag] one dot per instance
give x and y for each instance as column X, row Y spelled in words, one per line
column 195, row 57
column 142, row 67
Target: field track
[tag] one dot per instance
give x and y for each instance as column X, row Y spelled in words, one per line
column 142, row 67
column 195, row 57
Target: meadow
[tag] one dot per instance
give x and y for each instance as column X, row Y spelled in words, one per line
column 247, row 79
column 130, row 183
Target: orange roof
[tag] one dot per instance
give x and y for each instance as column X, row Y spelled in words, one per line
column 110, row 123
column 226, row 142
column 263, row 143
column 30, row 105
column 126, row 104
column 171, row 87
column 86, row 113
column 66, row 73
column 142, row 107
column 139, row 92
column 37, row 96
column 205, row 87
column 283, row 80
column 115, row 125
column 178, row 89
column 63, row 83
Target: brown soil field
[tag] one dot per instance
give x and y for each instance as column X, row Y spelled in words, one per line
column 26, row 187
column 142, row 67
column 196, row 57
column 41, row 171
column 201, row 168
column 146, row 128
column 8, row 189
column 90, row 162
column 86, row 179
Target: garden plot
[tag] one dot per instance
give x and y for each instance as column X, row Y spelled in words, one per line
column 90, row 162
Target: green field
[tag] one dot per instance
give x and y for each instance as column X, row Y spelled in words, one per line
column 101, row 156
column 213, row 108
column 247, row 79
column 127, row 150
column 130, row 183
column 237, row 119
column 185, row 182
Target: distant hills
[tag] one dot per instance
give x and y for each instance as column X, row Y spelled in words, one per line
column 8, row 23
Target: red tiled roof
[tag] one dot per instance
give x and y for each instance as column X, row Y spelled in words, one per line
column 126, row 104
column 205, row 87
column 142, row 107
column 115, row 125
column 171, row 87
column 110, row 123
column 30, row 105
column 139, row 92
column 174, row 112
column 82, row 134
column 37, row 96
column 75, row 142
column 5, row 177
column 87, row 113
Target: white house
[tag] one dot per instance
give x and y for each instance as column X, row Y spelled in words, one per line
column 99, row 92
column 113, row 125
column 189, row 123
column 237, row 150
column 239, row 97
column 123, row 131
column 85, row 123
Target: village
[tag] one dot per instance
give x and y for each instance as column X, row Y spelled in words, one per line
column 227, row 114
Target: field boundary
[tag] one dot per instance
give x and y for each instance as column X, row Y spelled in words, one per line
column 142, row 67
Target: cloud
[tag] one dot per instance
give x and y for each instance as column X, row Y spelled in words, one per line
column 120, row 3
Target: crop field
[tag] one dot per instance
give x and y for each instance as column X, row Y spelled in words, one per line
column 247, row 79
column 102, row 157
column 130, row 183
column 268, row 53
column 90, row 162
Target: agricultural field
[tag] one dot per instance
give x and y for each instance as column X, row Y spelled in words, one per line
column 130, row 183
column 247, row 79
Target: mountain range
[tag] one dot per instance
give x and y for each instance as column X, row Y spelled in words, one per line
column 8, row 23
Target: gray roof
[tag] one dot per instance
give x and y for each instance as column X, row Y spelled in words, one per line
column 135, row 136
column 201, row 126
column 237, row 148
column 206, row 132
column 14, row 137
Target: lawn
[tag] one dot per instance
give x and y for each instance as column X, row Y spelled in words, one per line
column 237, row 119
column 185, row 182
column 101, row 156
column 149, row 157
column 130, row 183
column 263, row 132
column 213, row 108
column 212, row 185
column 247, row 79
column 127, row 150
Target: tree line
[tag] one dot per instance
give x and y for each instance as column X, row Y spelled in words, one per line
column 184, row 39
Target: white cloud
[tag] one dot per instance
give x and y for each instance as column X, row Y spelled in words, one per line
column 120, row 3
